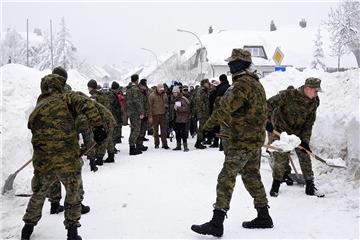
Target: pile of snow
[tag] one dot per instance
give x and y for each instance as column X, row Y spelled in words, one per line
column 287, row 142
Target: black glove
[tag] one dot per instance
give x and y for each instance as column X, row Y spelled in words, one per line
column 305, row 145
column 269, row 127
column 99, row 134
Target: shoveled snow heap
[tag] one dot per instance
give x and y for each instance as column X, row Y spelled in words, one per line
column 287, row 142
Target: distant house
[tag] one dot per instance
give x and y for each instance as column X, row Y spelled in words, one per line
column 296, row 43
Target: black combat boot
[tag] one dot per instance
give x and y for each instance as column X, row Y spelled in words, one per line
column 110, row 158
column 198, row 145
column 215, row 227
column 27, row 231
column 93, row 166
column 263, row 219
column 186, row 149
column 56, row 208
column 287, row 179
column 99, row 161
column 178, row 146
column 311, row 190
column 165, row 147
column 208, row 142
column 274, row 191
column 84, row 209
column 72, row 233
column 133, row 150
column 215, row 143
column 143, row 148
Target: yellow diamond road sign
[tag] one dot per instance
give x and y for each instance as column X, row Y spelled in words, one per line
column 278, row 56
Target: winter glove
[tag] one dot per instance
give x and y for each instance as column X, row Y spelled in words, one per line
column 99, row 134
column 269, row 127
column 305, row 145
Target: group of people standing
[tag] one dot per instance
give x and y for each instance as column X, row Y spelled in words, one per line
column 233, row 118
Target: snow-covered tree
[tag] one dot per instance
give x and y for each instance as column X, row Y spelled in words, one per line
column 13, row 47
column 44, row 55
column 64, row 50
column 344, row 26
column 318, row 55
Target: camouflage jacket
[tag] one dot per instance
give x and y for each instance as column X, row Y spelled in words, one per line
column 52, row 123
column 202, row 105
column 106, row 116
column 134, row 104
column 145, row 102
column 292, row 111
column 101, row 97
column 115, row 106
column 243, row 111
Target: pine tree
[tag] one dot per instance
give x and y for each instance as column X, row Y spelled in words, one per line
column 318, row 63
column 64, row 49
column 13, row 47
column 43, row 59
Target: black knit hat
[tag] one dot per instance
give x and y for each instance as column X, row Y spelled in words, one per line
column 223, row 78
column 134, row 78
column 115, row 85
column 92, row 84
column 143, row 82
column 60, row 71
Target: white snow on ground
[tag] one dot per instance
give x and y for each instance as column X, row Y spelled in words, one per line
column 160, row 193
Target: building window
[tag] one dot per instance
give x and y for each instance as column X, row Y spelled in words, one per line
column 256, row 51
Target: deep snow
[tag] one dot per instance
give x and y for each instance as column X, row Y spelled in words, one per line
column 161, row 193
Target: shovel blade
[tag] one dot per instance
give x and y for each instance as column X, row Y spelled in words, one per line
column 9, row 182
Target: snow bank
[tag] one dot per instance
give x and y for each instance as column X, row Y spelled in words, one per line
column 336, row 130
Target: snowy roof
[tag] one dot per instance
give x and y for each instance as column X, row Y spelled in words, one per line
column 296, row 43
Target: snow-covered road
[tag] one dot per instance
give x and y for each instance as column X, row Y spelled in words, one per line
column 160, row 193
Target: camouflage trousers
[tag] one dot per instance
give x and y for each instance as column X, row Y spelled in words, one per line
column 134, row 130
column 247, row 163
column 40, row 185
column 117, row 133
column 281, row 161
column 143, row 128
column 54, row 193
column 108, row 145
column 83, row 128
column 200, row 132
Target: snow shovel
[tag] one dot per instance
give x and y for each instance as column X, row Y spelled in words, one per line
column 299, row 178
column 313, row 155
column 9, row 182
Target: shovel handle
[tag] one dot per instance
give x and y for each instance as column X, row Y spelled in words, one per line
column 292, row 164
column 23, row 166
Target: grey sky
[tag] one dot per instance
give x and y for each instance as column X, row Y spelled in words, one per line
column 108, row 32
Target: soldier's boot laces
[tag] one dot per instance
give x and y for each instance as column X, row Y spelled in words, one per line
column 311, row 190
column 274, row 191
column 56, row 208
column 72, row 233
column 27, row 231
column 178, row 146
column 110, row 158
column 186, row 149
column 99, row 161
column 84, row 209
column 93, row 166
column 214, row 227
column 263, row 219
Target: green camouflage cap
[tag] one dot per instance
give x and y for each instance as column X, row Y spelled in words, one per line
column 239, row 54
column 313, row 83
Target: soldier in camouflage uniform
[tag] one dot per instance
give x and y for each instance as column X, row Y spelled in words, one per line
column 136, row 112
column 202, row 110
column 56, row 150
column 294, row 111
column 144, row 121
column 101, row 97
column 119, row 114
column 243, row 107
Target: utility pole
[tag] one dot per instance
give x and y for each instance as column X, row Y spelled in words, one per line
column 27, row 42
column 51, row 46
